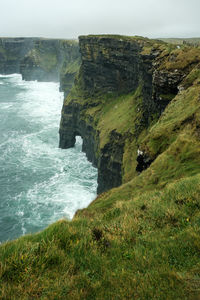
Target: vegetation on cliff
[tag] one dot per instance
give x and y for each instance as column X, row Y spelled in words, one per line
column 141, row 239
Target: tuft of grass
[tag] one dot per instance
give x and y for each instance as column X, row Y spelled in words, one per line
column 192, row 78
column 181, row 59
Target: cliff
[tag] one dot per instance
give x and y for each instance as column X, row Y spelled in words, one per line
column 136, row 105
column 123, row 86
column 41, row 59
column 12, row 51
column 70, row 65
column 52, row 60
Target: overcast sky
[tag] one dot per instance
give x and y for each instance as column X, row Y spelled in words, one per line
column 69, row 19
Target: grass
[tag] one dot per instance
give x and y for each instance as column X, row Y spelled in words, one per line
column 171, row 123
column 117, row 114
column 180, row 41
column 181, row 59
column 146, row 247
column 192, row 78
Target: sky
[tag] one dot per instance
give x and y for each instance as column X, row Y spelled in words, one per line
column 69, row 19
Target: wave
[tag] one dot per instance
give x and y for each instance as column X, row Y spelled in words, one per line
column 10, row 75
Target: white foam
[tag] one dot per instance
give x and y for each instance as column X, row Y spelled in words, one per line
column 10, row 75
column 20, row 213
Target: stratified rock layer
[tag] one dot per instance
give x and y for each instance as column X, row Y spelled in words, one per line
column 113, row 66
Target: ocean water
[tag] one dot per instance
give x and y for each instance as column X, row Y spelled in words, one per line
column 39, row 183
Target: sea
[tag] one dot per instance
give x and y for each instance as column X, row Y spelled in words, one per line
column 39, row 183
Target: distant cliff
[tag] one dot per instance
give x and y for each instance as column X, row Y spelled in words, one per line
column 41, row 59
column 12, row 51
column 51, row 59
column 123, row 86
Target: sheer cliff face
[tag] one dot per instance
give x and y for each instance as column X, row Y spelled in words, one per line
column 109, row 65
column 12, row 51
column 123, row 86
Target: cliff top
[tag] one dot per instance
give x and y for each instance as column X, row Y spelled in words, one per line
column 117, row 36
column 143, row 41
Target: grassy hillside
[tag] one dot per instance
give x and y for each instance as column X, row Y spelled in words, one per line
column 138, row 241
column 179, row 41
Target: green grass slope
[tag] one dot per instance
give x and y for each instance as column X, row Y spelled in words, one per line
column 138, row 241
column 180, row 41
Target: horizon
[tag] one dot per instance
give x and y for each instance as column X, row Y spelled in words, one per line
column 103, row 34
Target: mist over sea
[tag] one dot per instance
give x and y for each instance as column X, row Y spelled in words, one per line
column 39, row 183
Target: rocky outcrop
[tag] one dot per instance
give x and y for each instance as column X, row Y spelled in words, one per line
column 165, row 84
column 113, row 66
column 12, row 51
